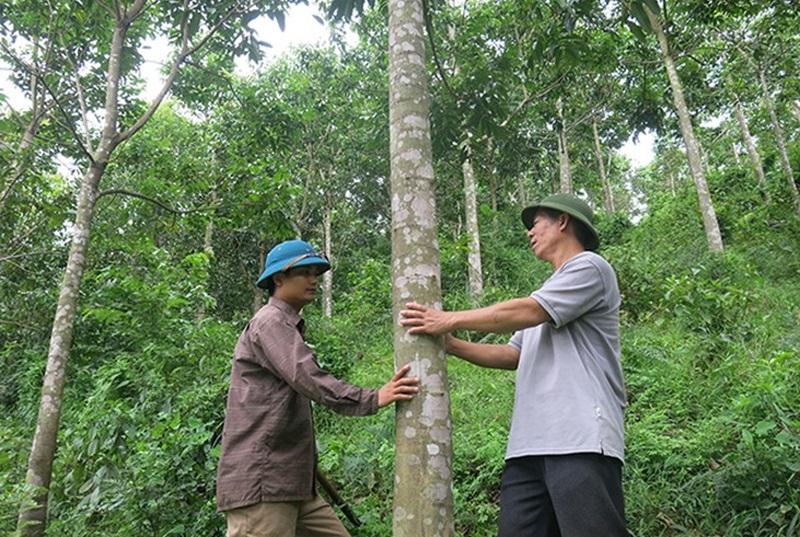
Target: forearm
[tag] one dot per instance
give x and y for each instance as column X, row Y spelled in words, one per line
column 504, row 317
column 492, row 356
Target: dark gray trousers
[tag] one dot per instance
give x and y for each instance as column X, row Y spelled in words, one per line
column 576, row 495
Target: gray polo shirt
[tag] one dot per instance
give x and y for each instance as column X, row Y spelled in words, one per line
column 570, row 393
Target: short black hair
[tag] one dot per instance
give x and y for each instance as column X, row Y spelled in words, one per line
column 270, row 285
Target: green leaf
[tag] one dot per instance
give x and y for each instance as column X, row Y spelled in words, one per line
column 653, row 6
column 636, row 31
column 637, row 10
column 763, row 427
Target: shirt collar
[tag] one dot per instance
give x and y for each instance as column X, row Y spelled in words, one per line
column 289, row 311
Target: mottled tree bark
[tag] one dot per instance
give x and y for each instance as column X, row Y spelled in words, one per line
column 608, row 196
column 750, row 144
column 709, row 215
column 423, row 492
column 474, row 265
column 780, row 140
column 564, row 168
column 327, row 278
column 33, row 510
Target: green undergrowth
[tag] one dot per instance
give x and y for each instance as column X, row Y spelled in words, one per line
column 709, row 349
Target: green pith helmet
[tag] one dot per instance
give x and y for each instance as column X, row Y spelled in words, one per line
column 570, row 204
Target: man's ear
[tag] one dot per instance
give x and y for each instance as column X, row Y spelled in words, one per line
column 563, row 221
column 278, row 278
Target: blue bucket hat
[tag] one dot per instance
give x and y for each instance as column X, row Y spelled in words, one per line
column 288, row 254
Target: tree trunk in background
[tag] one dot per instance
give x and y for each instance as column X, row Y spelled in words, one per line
column 423, row 486
column 208, row 247
column 750, row 144
column 327, row 278
column 258, row 293
column 19, row 165
column 713, row 235
column 735, row 152
column 33, row 509
column 779, row 139
column 474, row 267
column 608, row 197
column 564, row 172
column 33, row 512
column 492, row 176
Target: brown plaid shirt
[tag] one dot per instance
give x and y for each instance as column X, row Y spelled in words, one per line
column 268, row 450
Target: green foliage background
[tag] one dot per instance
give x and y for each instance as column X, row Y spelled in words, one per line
column 710, row 341
column 709, row 349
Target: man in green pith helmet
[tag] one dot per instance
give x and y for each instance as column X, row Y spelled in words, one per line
column 563, row 470
column 265, row 477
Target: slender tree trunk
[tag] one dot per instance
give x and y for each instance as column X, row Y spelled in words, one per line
column 258, row 293
column 796, row 110
column 564, row 172
column 750, row 144
column 522, row 191
column 33, row 512
column 208, row 245
column 423, row 491
column 327, row 278
column 709, row 215
column 492, row 176
column 608, row 197
column 736, row 157
column 474, row 268
column 39, row 111
column 779, row 139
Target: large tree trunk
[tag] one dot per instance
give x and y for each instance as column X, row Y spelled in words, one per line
column 474, row 267
column 423, row 492
column 713, row 235
column 779, row 139
column 608, row 197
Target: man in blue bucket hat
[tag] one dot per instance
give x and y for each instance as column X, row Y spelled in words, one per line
column 563, row 470
column 266, row 473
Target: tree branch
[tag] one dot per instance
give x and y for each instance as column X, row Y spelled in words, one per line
column 186, row 51
column 538, row 95
column 122, row 191
column 115, row 191
column 439, row 69
column 34, row 71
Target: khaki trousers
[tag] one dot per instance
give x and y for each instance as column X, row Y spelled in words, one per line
column 312, row 518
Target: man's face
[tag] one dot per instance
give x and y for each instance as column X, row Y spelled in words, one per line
column 297, row 286
column 544, row 235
